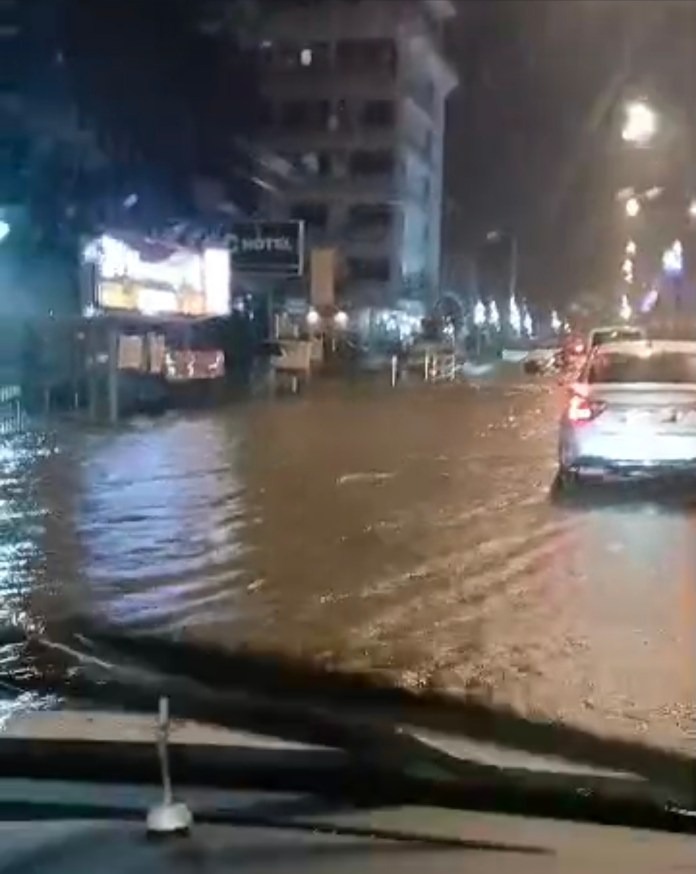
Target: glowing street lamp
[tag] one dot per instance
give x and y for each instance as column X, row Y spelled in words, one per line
column 625, row 310
column 4, row 229
column 528, row 324
column 673, row 259
column 640, row 123
column 494, row 315
column 692, row 209
column 479, row 314
column 515, row 316
column 631, row 248
column 555, row 322
column 632, row 207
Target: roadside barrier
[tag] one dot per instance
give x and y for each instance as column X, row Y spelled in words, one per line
column 12, row 417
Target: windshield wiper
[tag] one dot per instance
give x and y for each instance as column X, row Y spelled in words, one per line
column 362, row 697
column 375, row 726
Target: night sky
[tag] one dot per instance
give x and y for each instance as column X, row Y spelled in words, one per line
column 533, row 143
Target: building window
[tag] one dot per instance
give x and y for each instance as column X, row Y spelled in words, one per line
column 369, row 220
column 374, row 163
column 286, row 57
column 314, row 215
column 341, row 119
column 366, row 55
column 370, row 212
column 316, row 55
column 374, row 269
column 295, row 114
column 311, row 163
column 306, row 114
column 378, row 113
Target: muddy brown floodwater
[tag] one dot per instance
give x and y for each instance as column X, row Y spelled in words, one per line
column 408, row 532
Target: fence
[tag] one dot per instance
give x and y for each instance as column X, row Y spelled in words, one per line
column 431, row 366
column 12, row 418
column 441, row 367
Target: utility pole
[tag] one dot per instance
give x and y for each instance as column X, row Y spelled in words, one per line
column 513, row 266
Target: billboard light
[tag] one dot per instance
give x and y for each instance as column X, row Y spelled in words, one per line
column 184, row 282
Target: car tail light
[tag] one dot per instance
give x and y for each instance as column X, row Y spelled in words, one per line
column 582, row 409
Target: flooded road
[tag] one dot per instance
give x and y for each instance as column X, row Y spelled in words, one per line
column 409, row 533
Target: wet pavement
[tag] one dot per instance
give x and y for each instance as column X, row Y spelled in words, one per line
column 408, row 532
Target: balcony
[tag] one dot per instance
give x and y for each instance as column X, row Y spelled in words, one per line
column 372, row 187
column 317, row 138
column 367, row 249
column 297, row 84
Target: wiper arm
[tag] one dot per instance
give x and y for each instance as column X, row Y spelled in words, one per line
column 411, row 770
column 356, row 714
column 136, row 685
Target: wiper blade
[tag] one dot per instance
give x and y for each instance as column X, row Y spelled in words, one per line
column 348, row 695
column 356, row 713
column 136, row 685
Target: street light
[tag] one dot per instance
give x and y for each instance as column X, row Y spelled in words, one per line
column 625, row 310
column 4, row 229
column 515, row 316
column 494, row 315
column 632, row 207
column 673, row 259
column 640, row 123
column 528, row 324
column 692, row 209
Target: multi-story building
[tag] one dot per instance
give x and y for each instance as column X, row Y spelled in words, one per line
column 354, row 97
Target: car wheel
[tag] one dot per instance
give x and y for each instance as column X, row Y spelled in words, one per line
column 565, row 484
column 567, row 479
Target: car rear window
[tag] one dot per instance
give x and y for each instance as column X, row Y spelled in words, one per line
column 658, row 367
column 602, row 337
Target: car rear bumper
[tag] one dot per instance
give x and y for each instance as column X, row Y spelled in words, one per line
column 591, row 452
column 594, row 467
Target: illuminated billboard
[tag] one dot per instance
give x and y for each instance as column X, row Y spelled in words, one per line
column 153, row 278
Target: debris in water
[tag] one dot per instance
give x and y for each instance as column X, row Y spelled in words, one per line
column 364, row 477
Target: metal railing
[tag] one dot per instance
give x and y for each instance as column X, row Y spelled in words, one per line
column 434, row 367
column 12, row 419
column 440, row 367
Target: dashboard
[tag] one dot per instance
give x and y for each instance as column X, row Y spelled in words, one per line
column 59, row 826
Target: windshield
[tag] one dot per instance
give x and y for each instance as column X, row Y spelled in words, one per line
column 659, row 367
column 274, row 284
column 599, row 338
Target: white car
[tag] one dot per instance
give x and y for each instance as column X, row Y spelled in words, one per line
column 632, row 411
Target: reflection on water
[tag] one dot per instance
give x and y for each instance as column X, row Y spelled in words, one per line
column 409, row 534
column 160, row 518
